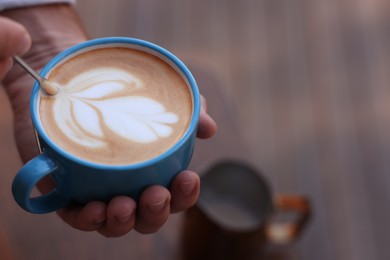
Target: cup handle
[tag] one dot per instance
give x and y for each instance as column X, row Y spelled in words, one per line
column 280, row 227
column 28, row 177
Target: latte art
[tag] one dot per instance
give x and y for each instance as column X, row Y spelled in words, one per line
column 88, row 104
column 116, row 106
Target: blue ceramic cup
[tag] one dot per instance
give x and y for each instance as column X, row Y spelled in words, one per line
column 82, row 181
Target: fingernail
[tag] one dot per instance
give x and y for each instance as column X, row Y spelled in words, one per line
column 187, row 187
column 158, row 206
column 100, row 221
column 125, row 217
column 9, row 64
column 24, row 45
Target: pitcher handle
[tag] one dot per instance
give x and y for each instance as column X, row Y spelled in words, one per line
column 278, row 228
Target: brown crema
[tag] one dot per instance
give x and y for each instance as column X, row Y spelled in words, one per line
column 153, row 79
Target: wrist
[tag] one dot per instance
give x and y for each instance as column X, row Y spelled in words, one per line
column 53, row 28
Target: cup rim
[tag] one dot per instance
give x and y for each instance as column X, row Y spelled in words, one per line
column 117, row 40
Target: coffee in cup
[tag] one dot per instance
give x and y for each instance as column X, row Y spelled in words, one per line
column 125, row 119
column 116, row 106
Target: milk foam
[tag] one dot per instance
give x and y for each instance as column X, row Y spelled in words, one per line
column 89, row 103
column 116, row 106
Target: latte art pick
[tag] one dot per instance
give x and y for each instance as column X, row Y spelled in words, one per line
column 117, row 106
column 90, row 104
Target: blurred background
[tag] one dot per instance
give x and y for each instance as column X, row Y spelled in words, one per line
column 300, row 90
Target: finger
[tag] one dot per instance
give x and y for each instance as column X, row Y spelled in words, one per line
column 153, row 209
column 203, row 103
column 87, row 218
column 185, row 190
column 206, row 125
column 120, row 217
column 15, row 39
column 5, row 66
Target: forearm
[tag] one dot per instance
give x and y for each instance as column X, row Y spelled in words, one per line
column 53, row 28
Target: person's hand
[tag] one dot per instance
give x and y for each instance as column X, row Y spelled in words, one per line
column 15, row 40
column 122, row 214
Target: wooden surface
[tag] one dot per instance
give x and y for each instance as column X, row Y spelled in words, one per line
column 300, row 89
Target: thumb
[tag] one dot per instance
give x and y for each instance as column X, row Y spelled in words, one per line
column 15, row 40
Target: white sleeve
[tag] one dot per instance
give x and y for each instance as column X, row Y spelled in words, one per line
column 8, row 4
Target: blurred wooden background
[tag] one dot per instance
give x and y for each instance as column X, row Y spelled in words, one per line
column 300, row 89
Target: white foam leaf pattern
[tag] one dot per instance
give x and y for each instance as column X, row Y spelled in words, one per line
column 88, row 119
column 99, row 83
column 71, row 127
column 88, row 106
column 137, row 118
column 99, row 90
